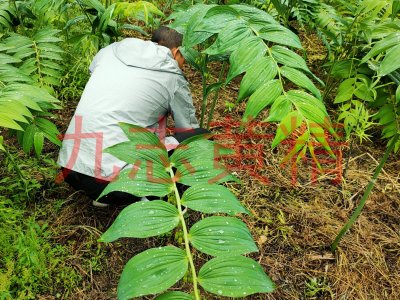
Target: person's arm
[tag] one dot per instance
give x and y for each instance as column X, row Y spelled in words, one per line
column 183, row 111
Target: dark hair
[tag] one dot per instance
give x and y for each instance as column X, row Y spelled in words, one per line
column 167, row 37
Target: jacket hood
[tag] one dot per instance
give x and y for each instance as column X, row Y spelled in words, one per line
column 146, row 55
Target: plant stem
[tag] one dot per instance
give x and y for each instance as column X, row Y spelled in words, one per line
column 211, row 113
column 204, row 83
column 185, row 237
column 368, row 190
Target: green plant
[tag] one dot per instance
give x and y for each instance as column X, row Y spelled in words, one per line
column 317, row 288
column 155, row 270
column 106, row 22
column 257, row 45
column 30, row 69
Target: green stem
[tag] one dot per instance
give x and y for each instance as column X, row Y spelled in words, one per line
column 204, row 83
column 211, row 113
column 185, row 237
column 368, row 190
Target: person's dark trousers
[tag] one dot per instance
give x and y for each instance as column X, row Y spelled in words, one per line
column 93, row 186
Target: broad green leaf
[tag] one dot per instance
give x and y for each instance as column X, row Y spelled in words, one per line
column 193, row 37
column 131, row 151
column 263, row 97
column 247, row 53
column 342, row 68
column 254, row 15
column 144, row 135
column 384, row 44
column 217, row 18
column 345, row 90
column 38, row 141
column 289, row 58
column 229, row 38
column 363, row 90
column 151, row 272
column 182, row 18
column 198, row 148
column 297, row 77
column 212, row 198
column 279, row 109
column 398, row 95
column 200, row 171
column 262, row 71
column 145, row 181
column 225, row 236
column 290, row 123
column 234, row 276
column 175, row 296
column 281, row 35
column 143, row 219
column 29, row 134
column 7, row 122
column 391, row 62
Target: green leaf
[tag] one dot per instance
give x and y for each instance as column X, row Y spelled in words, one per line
column 289, row 58
column 38, row 141
column 143, row 219
column 151, row 272
column 398, row 95
column 212, row 198
column 345, row 90
column 301, row 80
column 262, row 71
column 193, row 37
column 391, row 61
column 229, row 38
column 290, row 123
column 1, row 144
column 222, row 236
column 145, row 181
column 200, row 171
column 257, row 18
column 281, row 35
column 384, row 44
column 262, row 98
column 217, row 18
column 131, row 151
column 135, row 133
column 311, row 108
column 234, row 276
column 279, row 109
column 175, row 296
column 192, row 57
column 247, row 53
column 8, row 122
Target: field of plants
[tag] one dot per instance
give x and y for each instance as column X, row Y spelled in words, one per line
column 295, row 196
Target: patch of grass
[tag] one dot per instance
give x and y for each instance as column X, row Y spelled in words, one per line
column 30, row 262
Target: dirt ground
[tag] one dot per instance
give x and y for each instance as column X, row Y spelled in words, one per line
column 297, row 213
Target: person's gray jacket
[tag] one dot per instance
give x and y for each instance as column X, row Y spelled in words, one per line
column 132, row 81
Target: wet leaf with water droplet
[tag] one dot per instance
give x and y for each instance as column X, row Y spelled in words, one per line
column 152, row 271
column 222, row 236
column 234, row 276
